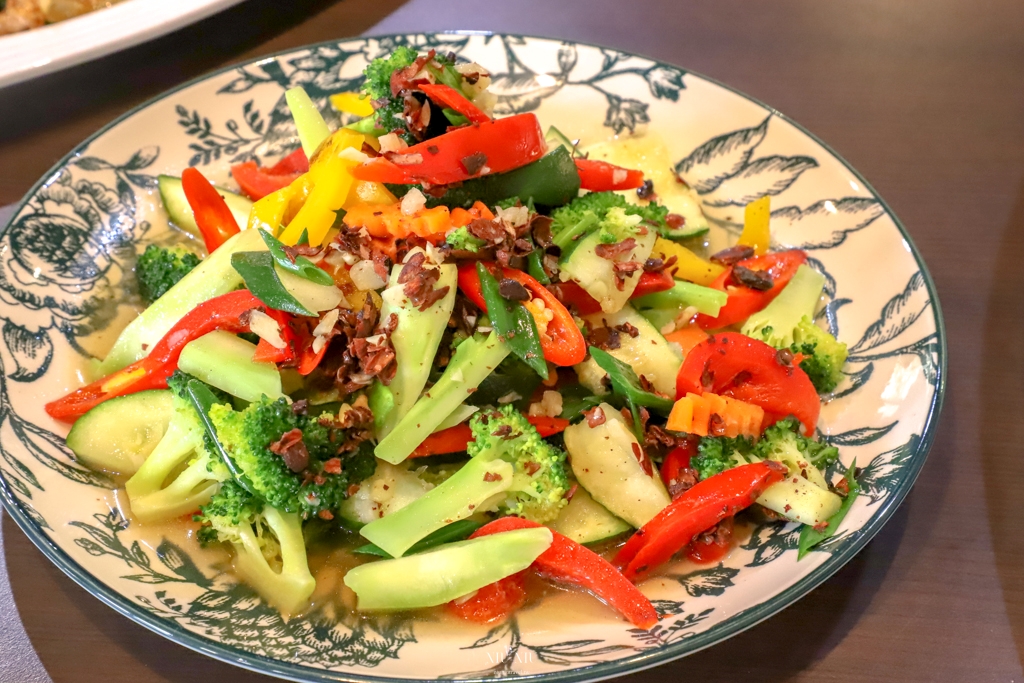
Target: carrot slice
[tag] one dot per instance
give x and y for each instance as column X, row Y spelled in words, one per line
column 717, row 415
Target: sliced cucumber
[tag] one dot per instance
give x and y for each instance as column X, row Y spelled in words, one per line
column 584, row 520
column 648, row 353
column 390, row 489
column 597, row 274
column 799, row 500
column 225, row 361
column 604, row 464
column 180, row 213
column 118, row 435
column 212, row 277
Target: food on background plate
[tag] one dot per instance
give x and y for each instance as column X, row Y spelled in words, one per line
column 22, row 15
column 464, row 352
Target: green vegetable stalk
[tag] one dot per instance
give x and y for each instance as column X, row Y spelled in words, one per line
column 513, row 323
column 449, row 572
column 309, row 122
column 662, row 308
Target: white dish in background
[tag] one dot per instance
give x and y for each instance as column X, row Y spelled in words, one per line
column 43, row 50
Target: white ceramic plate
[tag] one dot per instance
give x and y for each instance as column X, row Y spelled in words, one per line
column 57, row 46
column 63, row 256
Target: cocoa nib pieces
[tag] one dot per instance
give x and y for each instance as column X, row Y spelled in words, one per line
column 512, row 290
column 760, row 280
column 611, row 251
column 474, row 163
column 292, row 449
column 732, row 255
column 487, row 230
column 595, row 417
column 419, row 282
column 624, row 270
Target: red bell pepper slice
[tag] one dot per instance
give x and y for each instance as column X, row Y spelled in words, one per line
column 214, row 218
column 257, row 182
column 732, row 364
column 743, row 301
column 675, row 464
column 220, row 313
column 494, row 602
column 563, row 344
column 700, row 508
column 600, row 176
column 456, row 439
column 708, row 548
column 447, row 96
column 571, row 294
column 458, row 155
column 569, row 562
column 267, row 353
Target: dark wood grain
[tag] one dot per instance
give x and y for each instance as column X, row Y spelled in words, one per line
column 926, row 99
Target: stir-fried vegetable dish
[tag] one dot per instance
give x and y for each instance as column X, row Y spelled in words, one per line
column 471, row 349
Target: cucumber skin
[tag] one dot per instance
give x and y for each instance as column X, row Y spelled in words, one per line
column 94, row 436
column 180, row 213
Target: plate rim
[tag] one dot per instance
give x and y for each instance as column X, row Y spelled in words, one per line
column 732, row 626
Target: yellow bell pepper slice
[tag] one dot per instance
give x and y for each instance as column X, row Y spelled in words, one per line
column 369, row 192
column 277, row 208
column 332, row 180
column 355, row 103
column 756, row 232
column 689, row 266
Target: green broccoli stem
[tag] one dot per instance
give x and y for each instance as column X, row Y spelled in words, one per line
column 224, row 360
column 367, row 126
column 662, row 308
column 194, row 487
column 212, row 277
column 183, row 436
column 309, row 122
column 473, row 361
column 456, row 498
column 415, row 339
column 565, row 239
column 289, row 589
column 449, row 572
column 776, row 322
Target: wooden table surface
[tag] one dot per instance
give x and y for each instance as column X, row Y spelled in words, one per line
column 926, row 99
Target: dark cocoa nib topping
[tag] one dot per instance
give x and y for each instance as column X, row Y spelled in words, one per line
column 292, row 449
column 512, row 290
column 541, row 226
column 611, row 251
column 645, row 191
column 487, row 230
column 628, row 329
column 419, row 282
column 675, row 221
column 760, row 280
column 595, row 417
column 785, row 357
column 474, row 162
column 606, row 338
column 732, row 255
column 624, row 270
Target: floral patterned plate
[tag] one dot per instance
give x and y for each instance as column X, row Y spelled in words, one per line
column 64, row 256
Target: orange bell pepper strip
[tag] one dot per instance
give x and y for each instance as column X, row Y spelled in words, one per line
column 224, row 312
column 566, row 561
column 701, row 507
column 563, row 343
column 214, row 218
column 456, row 439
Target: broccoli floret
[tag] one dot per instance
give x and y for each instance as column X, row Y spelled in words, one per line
column 323, row 482
column 461, row 239
column 160, row 268
column 271, row 551
column 784, row 442
column 540, row 481
column 824, row 355
column 788, row 322
column 715, row 454
column 605, row 211
column 151, row 497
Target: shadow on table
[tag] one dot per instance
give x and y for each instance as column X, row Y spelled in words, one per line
column 63, row 621
column 1002, row 426
column 112, row 84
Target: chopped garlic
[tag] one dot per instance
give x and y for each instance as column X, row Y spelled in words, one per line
column 391, row 143
column 326, row 323
column 550, row 405
column 364, row 276
column 413, row 202
column 514, row 215
column 353, row 154
column 509, row 397
column 266, row 328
